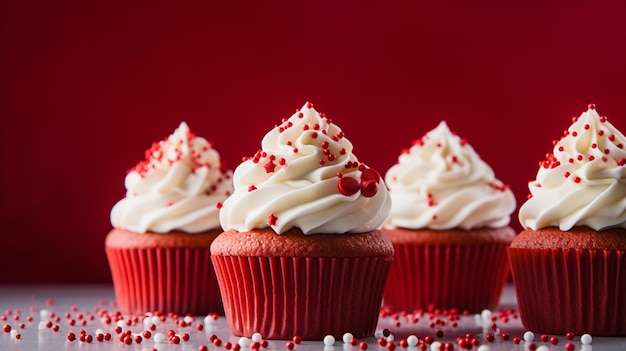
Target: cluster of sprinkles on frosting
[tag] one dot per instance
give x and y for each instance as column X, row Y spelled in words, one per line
column 270, row 162
column 310, row 128
column 599, row 147
column 183, row 146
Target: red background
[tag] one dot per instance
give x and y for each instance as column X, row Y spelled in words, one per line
column 86, row 87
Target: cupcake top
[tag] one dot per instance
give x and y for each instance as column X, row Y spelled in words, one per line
column 176, row 188
column 305, row 176
column 441, row 183
column 583, row 181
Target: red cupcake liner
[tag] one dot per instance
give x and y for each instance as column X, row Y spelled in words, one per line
column 467, row 277
column 579, row 291
column 280, row 297
column 177, row 280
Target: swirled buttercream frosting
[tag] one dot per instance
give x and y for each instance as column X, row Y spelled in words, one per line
column 583, row 181
column 441, row 183
column 176, row 187
column 305, row 176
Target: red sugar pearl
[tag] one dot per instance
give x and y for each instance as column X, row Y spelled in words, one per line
column 217, row 342
column 290, row 345
column 176, row 339
column 490, row 337
column 569, row 336
column 185, row 337
column 203, row 348
column 544, row 338
column 147, row 334
column 569, row 346
column 228, row 345
column 363, row 345
column 71, row 336
column 517, row 340
column 554, row 340
column 382, row 341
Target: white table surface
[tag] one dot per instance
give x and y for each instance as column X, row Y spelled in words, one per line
column 82, row 302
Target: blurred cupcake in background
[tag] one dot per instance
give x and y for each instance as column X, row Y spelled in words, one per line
column 158, row 249
column 569, row 262
column 449, row 225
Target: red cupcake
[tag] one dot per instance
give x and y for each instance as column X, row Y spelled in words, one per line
column 569, row 262
column 158, row 250
column 301, row 253
column 449, row 227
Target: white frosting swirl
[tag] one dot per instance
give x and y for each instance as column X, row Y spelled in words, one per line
column 441, row 183
column 305, row 176
column 583, row 181
column 176, row 187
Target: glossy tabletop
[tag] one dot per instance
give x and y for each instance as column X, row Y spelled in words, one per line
column 41, row 317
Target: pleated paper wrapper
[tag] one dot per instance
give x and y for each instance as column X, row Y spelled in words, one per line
column 579, row 291
column 281, row 297
column 464, row 277
column 177, row 280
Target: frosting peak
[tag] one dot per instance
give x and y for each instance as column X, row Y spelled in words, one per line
column 305, row 175
column 583, row 181
column 442, row 183
column 176, row 187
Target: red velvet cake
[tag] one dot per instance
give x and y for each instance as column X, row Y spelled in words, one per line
column 569, row 263
column 158, row 251
column 301, row 254
column 449, row 227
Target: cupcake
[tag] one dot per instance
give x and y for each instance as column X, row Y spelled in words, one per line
column 569, row 262
column 449, row 225
column 158, row 249
column 301, row 254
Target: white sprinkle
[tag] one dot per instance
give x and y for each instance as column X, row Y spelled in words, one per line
column 378, row 334
column 156, row 320
column 121, row 323
column 486, row 315
column 159, row 338
column 147, row 321
column 347, row 337
column 244, row 342
column 329, row 340
column 543, row 348
column 529, row 336
column 42, row 325
column 43, row 314
column 99, row 331
column 257, row 337
column 411, row 340
column 483, row 348
column 435, row 346
column 586, row 339
column 13, row 333
column 188, row 319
